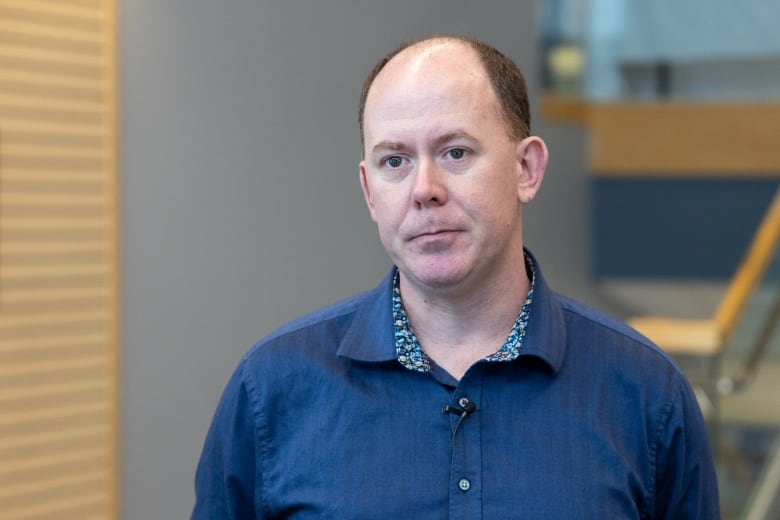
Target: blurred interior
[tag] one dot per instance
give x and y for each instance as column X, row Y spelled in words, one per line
column 662, row 88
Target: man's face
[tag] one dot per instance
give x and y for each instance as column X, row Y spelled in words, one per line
column 441, row 176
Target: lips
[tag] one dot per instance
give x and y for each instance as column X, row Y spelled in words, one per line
column 433, row 234
column 430, row 230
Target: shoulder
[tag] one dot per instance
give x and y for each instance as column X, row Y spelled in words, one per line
column 620, row 357
column 586, row 316
column 607, row 331
column 329, row 321
column 359, row 327
column 566, row 332
column 630, row 366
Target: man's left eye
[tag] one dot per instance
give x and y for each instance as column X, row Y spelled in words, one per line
column 456, row 153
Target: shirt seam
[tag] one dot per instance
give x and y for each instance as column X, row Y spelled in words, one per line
column 261, row 439
column 663, row 424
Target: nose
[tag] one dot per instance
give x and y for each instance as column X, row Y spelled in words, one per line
column 429, row 187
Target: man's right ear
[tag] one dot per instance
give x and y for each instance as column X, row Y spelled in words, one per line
column 366, row 190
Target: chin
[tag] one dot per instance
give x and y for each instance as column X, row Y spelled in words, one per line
column 439, row 277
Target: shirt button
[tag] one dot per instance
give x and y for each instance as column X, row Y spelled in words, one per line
column 463, row 401
column 464, row 484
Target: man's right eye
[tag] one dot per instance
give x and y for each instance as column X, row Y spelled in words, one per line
column 394, row 161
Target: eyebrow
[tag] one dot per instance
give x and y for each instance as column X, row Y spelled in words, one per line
column 387, row 145
column 451, row 136
column 445, row 138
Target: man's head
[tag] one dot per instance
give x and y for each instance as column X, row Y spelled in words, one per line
column 444, row 174
column 505, row 77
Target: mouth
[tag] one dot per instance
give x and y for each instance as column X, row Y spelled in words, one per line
column 433, row 234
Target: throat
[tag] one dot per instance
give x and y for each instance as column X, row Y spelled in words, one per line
column 456, row 360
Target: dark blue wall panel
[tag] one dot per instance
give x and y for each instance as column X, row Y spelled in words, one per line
column 675, row 228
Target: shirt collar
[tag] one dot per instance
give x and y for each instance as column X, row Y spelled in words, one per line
column 409, row 352
column 371, row 336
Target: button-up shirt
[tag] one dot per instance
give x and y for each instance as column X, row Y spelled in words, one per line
column 590, row 420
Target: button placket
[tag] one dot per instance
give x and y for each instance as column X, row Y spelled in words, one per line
column 466, row 469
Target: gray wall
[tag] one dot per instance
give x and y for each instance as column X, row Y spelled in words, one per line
column 241, row 206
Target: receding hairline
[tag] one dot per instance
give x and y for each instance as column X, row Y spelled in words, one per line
column 483, row 53
column 418, row 47
column 430, row 43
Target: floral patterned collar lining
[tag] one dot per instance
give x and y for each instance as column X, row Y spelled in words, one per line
column 411, row 355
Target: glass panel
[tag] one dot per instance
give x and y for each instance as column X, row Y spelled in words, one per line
column 683, row 49
column 750, row 404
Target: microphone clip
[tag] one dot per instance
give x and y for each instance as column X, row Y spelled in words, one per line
column 466, row 409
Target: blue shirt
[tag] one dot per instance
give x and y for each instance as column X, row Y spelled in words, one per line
column 591, row 420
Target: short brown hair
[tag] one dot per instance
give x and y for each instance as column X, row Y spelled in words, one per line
column 504, row 75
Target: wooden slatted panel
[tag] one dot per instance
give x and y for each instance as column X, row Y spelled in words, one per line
column 58, row 261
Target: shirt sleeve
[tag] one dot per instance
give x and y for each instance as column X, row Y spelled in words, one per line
column 686, row 483
column 225, row 481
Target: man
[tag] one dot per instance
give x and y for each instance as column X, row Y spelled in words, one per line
column 461, row 387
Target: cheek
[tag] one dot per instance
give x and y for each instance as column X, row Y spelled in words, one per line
column 497, row 209
column 386, row 215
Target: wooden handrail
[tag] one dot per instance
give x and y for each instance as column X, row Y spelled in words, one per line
column 709, row 336
column 750, row 271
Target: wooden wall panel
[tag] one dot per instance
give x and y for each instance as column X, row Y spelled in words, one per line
column 685, row 138
column 725, row 138
column 58, row 260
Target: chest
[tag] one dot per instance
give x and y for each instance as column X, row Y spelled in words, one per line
column 370, row 450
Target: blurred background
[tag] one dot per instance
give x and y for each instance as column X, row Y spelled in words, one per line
column 179, row 178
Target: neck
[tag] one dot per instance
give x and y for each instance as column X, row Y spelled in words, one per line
column 456, row 329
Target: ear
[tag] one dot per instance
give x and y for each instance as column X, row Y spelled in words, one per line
column 366, row 190
column 532, row 157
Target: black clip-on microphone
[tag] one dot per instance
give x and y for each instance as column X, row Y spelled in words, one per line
column 468, row 409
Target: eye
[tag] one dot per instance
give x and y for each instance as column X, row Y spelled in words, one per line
column 456, row 153
column 394, row 161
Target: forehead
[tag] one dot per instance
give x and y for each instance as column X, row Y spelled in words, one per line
column 436, row 78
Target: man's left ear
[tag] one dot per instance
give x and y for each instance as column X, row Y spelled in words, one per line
column 532, row 158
